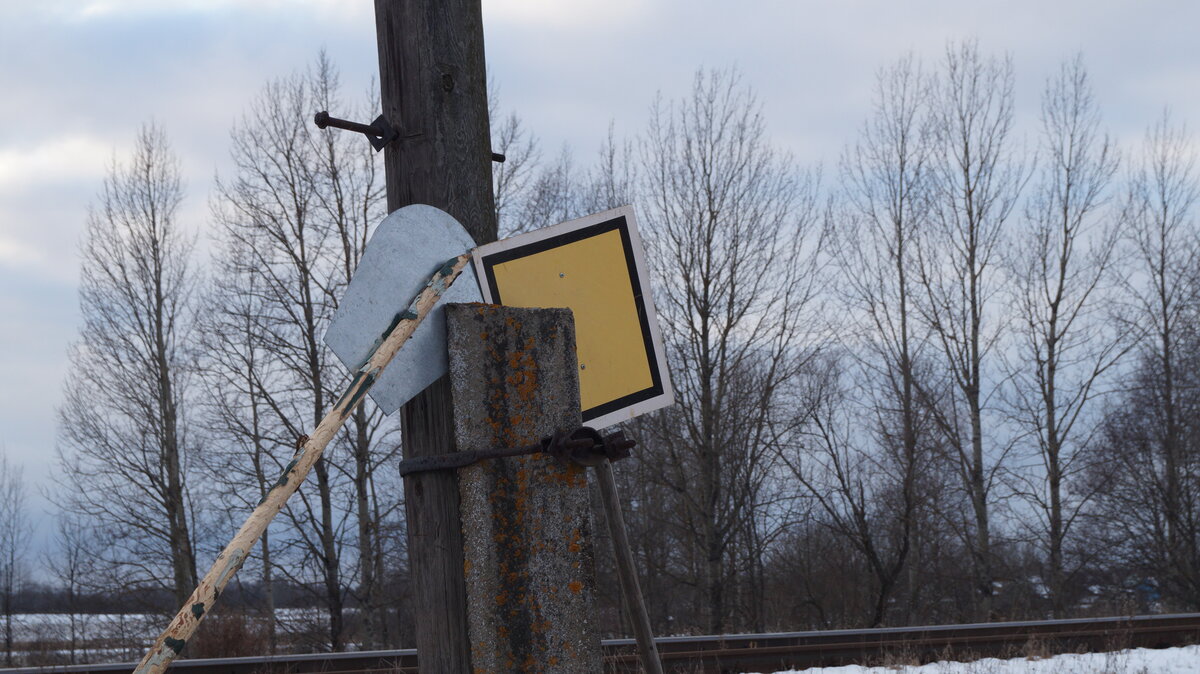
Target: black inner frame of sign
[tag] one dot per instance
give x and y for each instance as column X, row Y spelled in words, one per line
column 619, row 224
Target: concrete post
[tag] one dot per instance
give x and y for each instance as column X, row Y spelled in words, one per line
column 526, row 525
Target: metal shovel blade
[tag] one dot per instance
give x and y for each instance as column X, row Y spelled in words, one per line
column 408, row 246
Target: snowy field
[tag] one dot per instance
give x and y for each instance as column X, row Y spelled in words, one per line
column 45, row 638
column 1185, row 660
column 143, row 627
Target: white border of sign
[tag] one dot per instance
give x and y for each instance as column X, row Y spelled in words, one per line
column 531, row 240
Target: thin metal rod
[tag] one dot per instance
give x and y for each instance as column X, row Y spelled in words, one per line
column 422, row 464
column 322, row 120
column 631, row 591
column 175, row 637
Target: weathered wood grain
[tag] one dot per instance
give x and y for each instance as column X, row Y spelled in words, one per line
column 434, row 91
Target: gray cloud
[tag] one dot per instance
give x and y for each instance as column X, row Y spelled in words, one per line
column 79, row 77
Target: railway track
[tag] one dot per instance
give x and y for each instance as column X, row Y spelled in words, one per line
column 766, row 652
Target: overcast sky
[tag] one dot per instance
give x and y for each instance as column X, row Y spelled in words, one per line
column 77, row 78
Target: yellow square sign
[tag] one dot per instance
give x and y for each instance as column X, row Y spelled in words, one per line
column 595, row 267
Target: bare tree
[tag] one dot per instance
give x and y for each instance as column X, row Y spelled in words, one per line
column 859, row 495
column 1163, row 192
column 553, row 196
column 293, row 222
column 125, row 449
column 72, row 564
column 885, row 181
column 1063, row 266
column 613, row 180
column 269, row 210
column 15, row 530
column 243, row 452
column 561, row 190
column 530, row 195
column 512, row 178
column 729, row 222
column 975, row 182
column 1151, row 488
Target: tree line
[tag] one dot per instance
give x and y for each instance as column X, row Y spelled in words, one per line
column 947, row 378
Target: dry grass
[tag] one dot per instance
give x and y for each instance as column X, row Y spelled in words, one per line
column 229, row 635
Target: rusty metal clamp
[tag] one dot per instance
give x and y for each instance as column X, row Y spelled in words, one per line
column 584, row 446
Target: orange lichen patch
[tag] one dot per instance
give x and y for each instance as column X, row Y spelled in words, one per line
column 466, row 568
column 502, row 599
column 573, row 544
column 524, row 376
column 575, row 586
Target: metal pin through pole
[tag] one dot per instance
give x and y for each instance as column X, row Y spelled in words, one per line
column 379, row 132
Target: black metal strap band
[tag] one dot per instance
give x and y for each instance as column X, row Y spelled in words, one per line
column 584, row 446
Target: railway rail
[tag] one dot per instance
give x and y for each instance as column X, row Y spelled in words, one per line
column 765, row 652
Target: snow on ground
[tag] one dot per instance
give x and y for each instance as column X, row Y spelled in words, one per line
column 1184, row 660
column 133, row 626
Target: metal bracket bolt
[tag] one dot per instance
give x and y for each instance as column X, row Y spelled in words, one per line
column 379, row 132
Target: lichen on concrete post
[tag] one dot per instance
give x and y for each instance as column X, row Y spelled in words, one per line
column 526, row 524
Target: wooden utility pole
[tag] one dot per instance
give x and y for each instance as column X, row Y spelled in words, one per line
column 434, row 92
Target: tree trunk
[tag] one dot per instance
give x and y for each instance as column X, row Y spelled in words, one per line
column 1054, row 483
column 8, row 631
column 371, row 628
column 329, row 559
column 182, row 556
column 269, row 594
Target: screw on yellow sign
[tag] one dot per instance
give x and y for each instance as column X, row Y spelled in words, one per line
column 595, row 267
